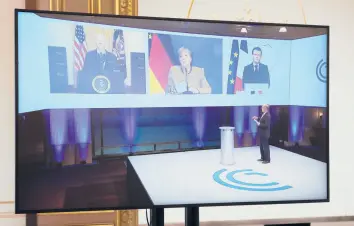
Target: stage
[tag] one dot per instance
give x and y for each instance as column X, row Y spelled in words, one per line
column 196, row 177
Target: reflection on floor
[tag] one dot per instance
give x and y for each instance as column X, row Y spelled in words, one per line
column 313, row 152
column 79, row 186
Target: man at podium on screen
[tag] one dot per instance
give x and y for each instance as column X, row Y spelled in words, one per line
column 256, row 75
column 98, row 73
column 263, row 124
column 185, row 78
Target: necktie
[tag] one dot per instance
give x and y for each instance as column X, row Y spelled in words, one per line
column 102, row 61
column 256, row 68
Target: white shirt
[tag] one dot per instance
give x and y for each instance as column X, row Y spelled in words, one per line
column 255, row 66
column 258, row 122
column 263, row 115
column 101, row 53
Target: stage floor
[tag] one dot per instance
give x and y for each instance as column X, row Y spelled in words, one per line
column 197, row 177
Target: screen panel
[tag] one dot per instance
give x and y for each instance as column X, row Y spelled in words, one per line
column 308, row 75
column 64, row 68
column 114, row 100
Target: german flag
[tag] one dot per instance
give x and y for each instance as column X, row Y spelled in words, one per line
column 162, row 57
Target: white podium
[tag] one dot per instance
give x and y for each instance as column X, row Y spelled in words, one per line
column 227, row 145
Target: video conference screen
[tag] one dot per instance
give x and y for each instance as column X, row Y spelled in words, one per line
column 92, row 65
column 117, row 112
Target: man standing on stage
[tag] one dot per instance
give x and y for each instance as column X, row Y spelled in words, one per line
column 264, row 133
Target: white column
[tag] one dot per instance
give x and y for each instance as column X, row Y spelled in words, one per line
column 7, row 119
column 227, row 145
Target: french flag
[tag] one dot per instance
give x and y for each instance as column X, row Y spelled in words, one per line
column 239, row 48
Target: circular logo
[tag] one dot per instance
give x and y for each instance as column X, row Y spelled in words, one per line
column 321, row 71
column 101, row 84
column 230, row 180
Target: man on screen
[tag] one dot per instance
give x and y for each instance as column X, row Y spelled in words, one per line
column 187, row 79
column 256, row 73
column 98, row 62
column 263, row 124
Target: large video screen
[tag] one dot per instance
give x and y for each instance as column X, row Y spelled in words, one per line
column 118, row 112
column 72, row 64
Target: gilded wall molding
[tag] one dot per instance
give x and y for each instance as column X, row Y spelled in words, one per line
column 126, row 7
column 7, row 202
column 57, row 5
column 127, row 218
column 95, row 6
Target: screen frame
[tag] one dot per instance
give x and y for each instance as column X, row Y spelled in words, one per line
column 21, row 211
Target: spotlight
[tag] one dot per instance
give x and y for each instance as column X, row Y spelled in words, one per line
column 283, row 30
column 243, row 30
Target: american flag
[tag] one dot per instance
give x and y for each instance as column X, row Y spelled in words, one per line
column 118, row 48
column 80, row 48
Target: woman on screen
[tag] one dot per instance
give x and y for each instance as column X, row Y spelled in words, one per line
column 185, row 78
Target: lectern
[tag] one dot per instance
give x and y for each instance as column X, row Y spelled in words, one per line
column 227, row 145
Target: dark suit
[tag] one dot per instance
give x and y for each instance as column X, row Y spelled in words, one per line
column 260, row 75
column 264, row 134
column 101, row 64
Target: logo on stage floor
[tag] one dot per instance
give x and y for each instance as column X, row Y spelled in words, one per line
column 229, row 179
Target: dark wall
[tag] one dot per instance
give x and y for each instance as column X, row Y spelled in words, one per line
column 30, row 136
column 162, row 129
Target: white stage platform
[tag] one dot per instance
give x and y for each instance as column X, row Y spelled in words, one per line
column 197, row 177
